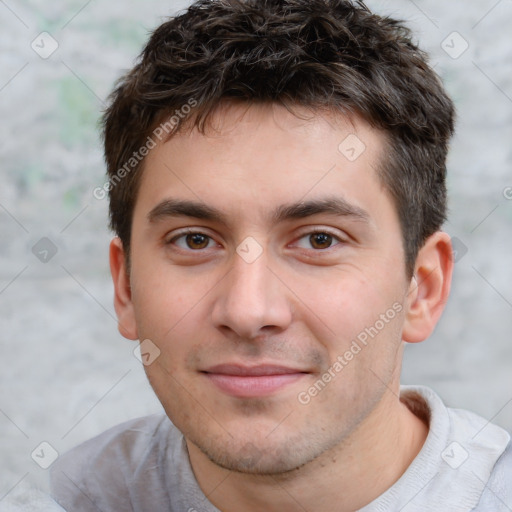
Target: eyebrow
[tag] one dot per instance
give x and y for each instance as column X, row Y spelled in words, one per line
column 331, row 205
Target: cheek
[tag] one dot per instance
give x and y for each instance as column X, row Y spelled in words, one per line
column 344, row 306
column 164, row 297
column 171, row 311
column 358, row 321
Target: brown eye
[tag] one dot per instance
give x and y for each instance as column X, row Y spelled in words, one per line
column 197, row 241
column 320, row 240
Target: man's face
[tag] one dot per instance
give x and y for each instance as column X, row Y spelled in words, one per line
column 260, row 253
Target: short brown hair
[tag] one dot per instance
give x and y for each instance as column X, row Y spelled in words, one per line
column 322, row 54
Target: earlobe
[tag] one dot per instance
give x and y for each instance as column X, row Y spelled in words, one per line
column 122, row 291
column 429, row 288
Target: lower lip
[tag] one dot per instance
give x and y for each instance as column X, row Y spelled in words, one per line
column 252, row 386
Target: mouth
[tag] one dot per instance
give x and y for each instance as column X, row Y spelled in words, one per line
column 252, row 381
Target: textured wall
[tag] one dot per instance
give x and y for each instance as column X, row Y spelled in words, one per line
column 66, row 373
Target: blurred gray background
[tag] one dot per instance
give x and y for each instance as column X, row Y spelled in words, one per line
column 66, row 374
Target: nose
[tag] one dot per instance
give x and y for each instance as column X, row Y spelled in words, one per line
column 251, row 300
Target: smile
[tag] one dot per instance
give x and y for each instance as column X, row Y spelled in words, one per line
column 252, row 382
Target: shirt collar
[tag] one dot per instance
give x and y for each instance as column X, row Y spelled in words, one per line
column 453, row 466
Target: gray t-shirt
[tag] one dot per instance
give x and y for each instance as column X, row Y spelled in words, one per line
column 143, row 466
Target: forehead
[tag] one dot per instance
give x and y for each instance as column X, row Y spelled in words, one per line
column 251, row 157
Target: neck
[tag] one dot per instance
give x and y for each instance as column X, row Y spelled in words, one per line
column 343, row 479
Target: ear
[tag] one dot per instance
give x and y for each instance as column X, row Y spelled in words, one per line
column 122, row 291
column 429, row 287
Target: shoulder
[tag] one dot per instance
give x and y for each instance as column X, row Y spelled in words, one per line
column 27, row 498
column 466, row 461
column 124, row 444
column 102, row 472
column 497, row 495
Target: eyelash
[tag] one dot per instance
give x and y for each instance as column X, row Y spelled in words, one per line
column 324, row 231
column 185, row 234
column 334, row 236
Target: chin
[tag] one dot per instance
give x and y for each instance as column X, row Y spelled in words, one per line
column 252, row 461
column 260, row 457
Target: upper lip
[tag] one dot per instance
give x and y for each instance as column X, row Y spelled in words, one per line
column 247, row 371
